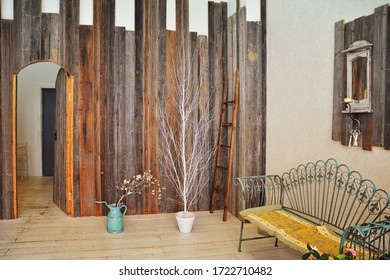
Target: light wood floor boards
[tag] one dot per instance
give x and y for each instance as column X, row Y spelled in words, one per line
column 42, row 231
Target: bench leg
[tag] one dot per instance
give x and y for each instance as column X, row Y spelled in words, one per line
column 239, row 243
column 276, row 242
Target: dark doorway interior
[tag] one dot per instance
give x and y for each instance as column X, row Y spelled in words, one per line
column 48, row 130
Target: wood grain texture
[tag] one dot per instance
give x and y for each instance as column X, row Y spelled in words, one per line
column 104, row 124
column 59, row 181
column 386, row 128
column 7, row 134
column 346, row 122
column 50, row 47
column 86, row 121
column 27, row 18
column 115, row 83
column 254, row 111
column 372, row 28
column 170, row 111
column 338, row 80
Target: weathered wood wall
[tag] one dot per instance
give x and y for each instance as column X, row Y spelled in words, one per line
column 114, row 83
column 375, row 126
column 247, row 52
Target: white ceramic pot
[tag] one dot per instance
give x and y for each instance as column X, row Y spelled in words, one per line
column 185, row 220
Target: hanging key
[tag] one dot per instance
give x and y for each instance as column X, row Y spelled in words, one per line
column 355, row 135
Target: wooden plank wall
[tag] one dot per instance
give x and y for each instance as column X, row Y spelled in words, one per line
column 7, row 194
column 247, row 52
column 118, row 85
column 374, row 29
column 59, row 188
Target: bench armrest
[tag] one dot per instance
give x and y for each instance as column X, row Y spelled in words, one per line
column 371, row 240
column 259, row 190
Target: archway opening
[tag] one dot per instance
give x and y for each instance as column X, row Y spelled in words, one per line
column 42, row 130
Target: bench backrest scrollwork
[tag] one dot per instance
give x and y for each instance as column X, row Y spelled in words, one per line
column 329, row 193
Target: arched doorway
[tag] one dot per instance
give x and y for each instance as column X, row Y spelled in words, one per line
column 32, row 82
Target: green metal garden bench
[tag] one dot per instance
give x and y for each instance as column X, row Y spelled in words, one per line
column 323, row 204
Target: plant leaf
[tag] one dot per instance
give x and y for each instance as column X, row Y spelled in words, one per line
column 306, row 256
column 315, row 254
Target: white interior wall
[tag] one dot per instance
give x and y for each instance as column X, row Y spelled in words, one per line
column 300, row 46
column 31, row 80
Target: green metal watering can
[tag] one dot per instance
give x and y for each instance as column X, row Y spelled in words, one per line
column 115, row 218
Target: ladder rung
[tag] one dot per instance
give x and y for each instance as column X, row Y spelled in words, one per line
column 222, row 167
column 227, row 124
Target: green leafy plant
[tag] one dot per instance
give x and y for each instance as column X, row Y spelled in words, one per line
column 349, row 254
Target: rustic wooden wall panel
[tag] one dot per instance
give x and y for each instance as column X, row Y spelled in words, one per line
column 170, row 92
column 50, row 35
column 27, row 18
column 138, row 100
column 116, row 88
column 338, row 80
column 367, row 119
column 386, row 77
column 105, row 153
column 129, row 147
column 372, row 28
column 379, row 79
column 232, row 67
column 203, row 52
column 263, row 66
column 254, row 102
column 154, row 66
column 59, row 188
column 241, row 159
column 86, row 120
column 6, row 90
column 217, row 69
column 117, row 105
column 69, row 36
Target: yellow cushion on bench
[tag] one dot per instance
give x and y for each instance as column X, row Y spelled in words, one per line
column 292, row 230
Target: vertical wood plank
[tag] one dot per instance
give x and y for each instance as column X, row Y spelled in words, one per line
column 241, row 131
column 69, row 36
column 138, row 101
column 367, row 119
column 27, row 31
column 254, row 102
column 170, row 111
column 162, row 66
column 86, row 122
column 7, row 155
column 70, row 143
column 50, row 37
column 263, row 63
column 338, row 80
column 346, row 124
column 129, row 112
column 232, row 66
column 381, row 75
column 59, row 194
column 202, row 48
column 103, row 64
column 120, row 105
column 386, row 143
column 154, row 10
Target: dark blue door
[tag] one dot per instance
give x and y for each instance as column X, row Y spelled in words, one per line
column 48, row 130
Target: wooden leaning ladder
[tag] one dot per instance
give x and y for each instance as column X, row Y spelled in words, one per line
column 221, row 136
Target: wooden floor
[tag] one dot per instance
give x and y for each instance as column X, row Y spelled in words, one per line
column 42, row 231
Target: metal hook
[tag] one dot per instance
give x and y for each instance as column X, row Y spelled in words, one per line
column 352, row 118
